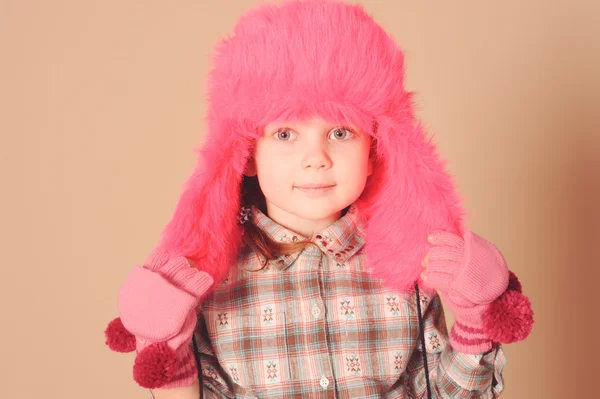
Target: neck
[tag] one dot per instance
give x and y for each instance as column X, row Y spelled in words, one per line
column 305, row 227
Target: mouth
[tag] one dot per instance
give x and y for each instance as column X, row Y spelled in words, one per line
column 314, row 186
column 315, row 189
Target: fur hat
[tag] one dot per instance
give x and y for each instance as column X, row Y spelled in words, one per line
column 325, row 58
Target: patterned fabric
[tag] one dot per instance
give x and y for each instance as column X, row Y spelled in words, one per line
column 315, row 324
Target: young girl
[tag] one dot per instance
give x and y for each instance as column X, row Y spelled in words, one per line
column 306, row 252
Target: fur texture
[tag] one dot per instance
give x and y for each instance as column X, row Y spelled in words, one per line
column 325, row 58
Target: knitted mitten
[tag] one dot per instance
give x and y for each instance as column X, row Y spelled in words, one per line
column 473, row 279
column 157, row 306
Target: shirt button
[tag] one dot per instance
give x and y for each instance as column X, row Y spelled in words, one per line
column 316, row 311
column 324, row 382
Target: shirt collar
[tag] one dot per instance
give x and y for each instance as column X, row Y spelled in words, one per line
column 339, row 241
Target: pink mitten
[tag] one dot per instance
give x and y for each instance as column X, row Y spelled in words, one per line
column 157, row 306
column 470, row 273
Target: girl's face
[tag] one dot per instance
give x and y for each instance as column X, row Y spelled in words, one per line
column 310, row 171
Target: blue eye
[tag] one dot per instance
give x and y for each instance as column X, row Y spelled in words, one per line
column 285, row 135
column 341, row 133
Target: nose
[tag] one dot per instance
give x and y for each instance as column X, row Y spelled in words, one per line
column 316, row 157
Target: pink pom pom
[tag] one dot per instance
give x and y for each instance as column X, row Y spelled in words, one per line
column 155, row 365
column 509, row 318
column 118, row 338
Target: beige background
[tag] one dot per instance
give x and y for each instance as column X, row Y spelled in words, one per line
column 102, row 104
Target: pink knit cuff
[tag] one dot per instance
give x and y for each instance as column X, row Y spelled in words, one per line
column 469, row 339
column 187, row 371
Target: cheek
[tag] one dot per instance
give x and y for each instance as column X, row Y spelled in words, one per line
column 273, row 171
column 268, row 153
column 265, row 157
column 353, row 164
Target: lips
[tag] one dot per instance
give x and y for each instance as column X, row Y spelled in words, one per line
column 315, row 190
column 314, row 186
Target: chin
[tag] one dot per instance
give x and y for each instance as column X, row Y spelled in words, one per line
column 318, row 210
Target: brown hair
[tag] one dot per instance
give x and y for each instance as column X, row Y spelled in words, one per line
column 256, row 238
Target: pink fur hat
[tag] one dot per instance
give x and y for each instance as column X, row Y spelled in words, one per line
column 330, row 59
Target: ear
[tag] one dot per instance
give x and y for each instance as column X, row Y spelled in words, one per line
column 250, row 167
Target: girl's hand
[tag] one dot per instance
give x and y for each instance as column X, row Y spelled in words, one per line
column 470, row 273
column 157, row 307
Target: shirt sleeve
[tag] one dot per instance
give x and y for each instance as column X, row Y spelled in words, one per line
column 452, row 374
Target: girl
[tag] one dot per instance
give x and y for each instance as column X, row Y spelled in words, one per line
column 306, row 252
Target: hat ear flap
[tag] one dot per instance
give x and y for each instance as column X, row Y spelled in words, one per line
column 410, row 194
column 204, row 225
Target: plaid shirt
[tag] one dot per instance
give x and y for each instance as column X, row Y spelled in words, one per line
column 316, row 324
